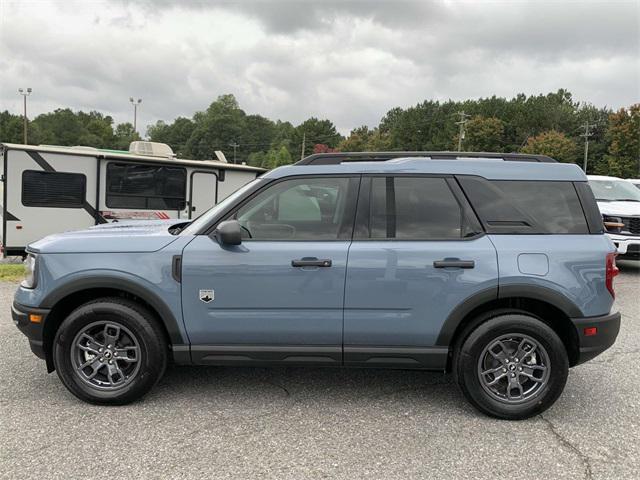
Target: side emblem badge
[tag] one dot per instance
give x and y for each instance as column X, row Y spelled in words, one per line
column 206, row 296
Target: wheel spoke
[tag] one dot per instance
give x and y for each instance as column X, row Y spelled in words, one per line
column 525, row 349
column 531, row 377
column 496, row 379
column 514, row 384
column 126, row 354
column 500, row 356
column 114, row 374
column 111, row 333
column 88, row 344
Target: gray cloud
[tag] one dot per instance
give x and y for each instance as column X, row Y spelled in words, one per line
column 347, row 61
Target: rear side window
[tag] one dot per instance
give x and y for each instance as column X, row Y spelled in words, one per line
column 146, row 187
column 53, row 189
column 520, row 206
column 414, row 208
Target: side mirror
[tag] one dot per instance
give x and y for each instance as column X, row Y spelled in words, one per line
column 229, row 232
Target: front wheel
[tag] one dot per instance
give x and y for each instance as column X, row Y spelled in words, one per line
column 512, row 366
column 109, row 351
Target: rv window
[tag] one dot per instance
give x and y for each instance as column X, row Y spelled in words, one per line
column 146, row 187
column 53, row 189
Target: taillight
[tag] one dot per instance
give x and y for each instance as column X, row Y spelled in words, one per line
column 611, row 272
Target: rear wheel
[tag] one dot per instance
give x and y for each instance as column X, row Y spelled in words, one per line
column 110, row 351
column 512, row 366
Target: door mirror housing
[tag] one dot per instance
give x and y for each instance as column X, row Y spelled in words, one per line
column 229, row 232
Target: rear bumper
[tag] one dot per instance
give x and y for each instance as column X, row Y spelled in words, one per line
column 607, row 328
column 33, row 330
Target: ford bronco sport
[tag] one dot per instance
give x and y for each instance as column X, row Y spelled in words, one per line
column 493, row 267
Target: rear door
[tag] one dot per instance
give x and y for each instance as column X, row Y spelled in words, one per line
column 418, row 253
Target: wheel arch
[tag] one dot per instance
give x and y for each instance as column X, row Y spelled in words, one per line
column 64, row 300
column 550, row 307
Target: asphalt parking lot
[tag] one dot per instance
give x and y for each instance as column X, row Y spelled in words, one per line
column 292, row 423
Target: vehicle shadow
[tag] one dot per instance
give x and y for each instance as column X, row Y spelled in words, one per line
column 631, row 267
column 253, row 386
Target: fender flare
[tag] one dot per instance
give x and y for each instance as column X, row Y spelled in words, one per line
column 532, row 292
column 120, row 283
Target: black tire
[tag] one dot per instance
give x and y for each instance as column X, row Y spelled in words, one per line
column 141, row 329
column 473, row 350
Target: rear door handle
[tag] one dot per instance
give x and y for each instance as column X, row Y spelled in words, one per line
column 311, row 262
column 454, row 263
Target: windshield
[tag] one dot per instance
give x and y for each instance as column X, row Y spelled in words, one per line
column 196, row 225
column 614, row 190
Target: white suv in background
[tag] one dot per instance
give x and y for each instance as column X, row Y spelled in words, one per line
column 619, row 203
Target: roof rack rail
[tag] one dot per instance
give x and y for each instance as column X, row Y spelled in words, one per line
column 340, row 157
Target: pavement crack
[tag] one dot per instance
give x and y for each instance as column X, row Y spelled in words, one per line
column 588, row 474
column 277, row 385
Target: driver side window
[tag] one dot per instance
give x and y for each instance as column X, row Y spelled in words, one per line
column 299, row 209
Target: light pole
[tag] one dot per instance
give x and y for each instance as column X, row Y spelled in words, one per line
column 135, row 104
column 25, row 94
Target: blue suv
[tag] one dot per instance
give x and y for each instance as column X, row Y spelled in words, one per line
column 493, row 267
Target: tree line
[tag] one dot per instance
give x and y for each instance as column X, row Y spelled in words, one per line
column 551, row 124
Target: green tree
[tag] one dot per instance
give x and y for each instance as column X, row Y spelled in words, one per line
column 483, row 134
column 357, row 141
column 315, row 131
column 277, row 157
column 623, row 157
column 11, row 128
column 124, row 135
column 176, row 134
column 553, row 144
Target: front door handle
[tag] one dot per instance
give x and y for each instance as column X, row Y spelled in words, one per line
column 454, row 263
column 311, row 262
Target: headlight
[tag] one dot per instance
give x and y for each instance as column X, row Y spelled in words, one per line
column 29, row 271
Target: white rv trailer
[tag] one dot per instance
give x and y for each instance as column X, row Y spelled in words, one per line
column 51, row 189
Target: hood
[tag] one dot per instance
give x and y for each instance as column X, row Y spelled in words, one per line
column 624, row 209
column 130, row 236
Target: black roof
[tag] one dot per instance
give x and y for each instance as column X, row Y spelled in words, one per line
column 339, row 157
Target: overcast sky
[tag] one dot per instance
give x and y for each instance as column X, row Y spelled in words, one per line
column 347, row 61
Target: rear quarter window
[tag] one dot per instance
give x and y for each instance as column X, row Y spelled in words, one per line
column 524, row 206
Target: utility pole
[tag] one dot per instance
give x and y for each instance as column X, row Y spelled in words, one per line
column 463, row 120
column 304, row 139
column 235, row 145
column 135, row 104
column 586, row 136
column 25, row 94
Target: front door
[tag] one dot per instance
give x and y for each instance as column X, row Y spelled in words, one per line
column 418, row 252
column 279, row 295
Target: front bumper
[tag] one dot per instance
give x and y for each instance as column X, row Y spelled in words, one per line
column 24, row 317
column 626, row 245
column 607, row 328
